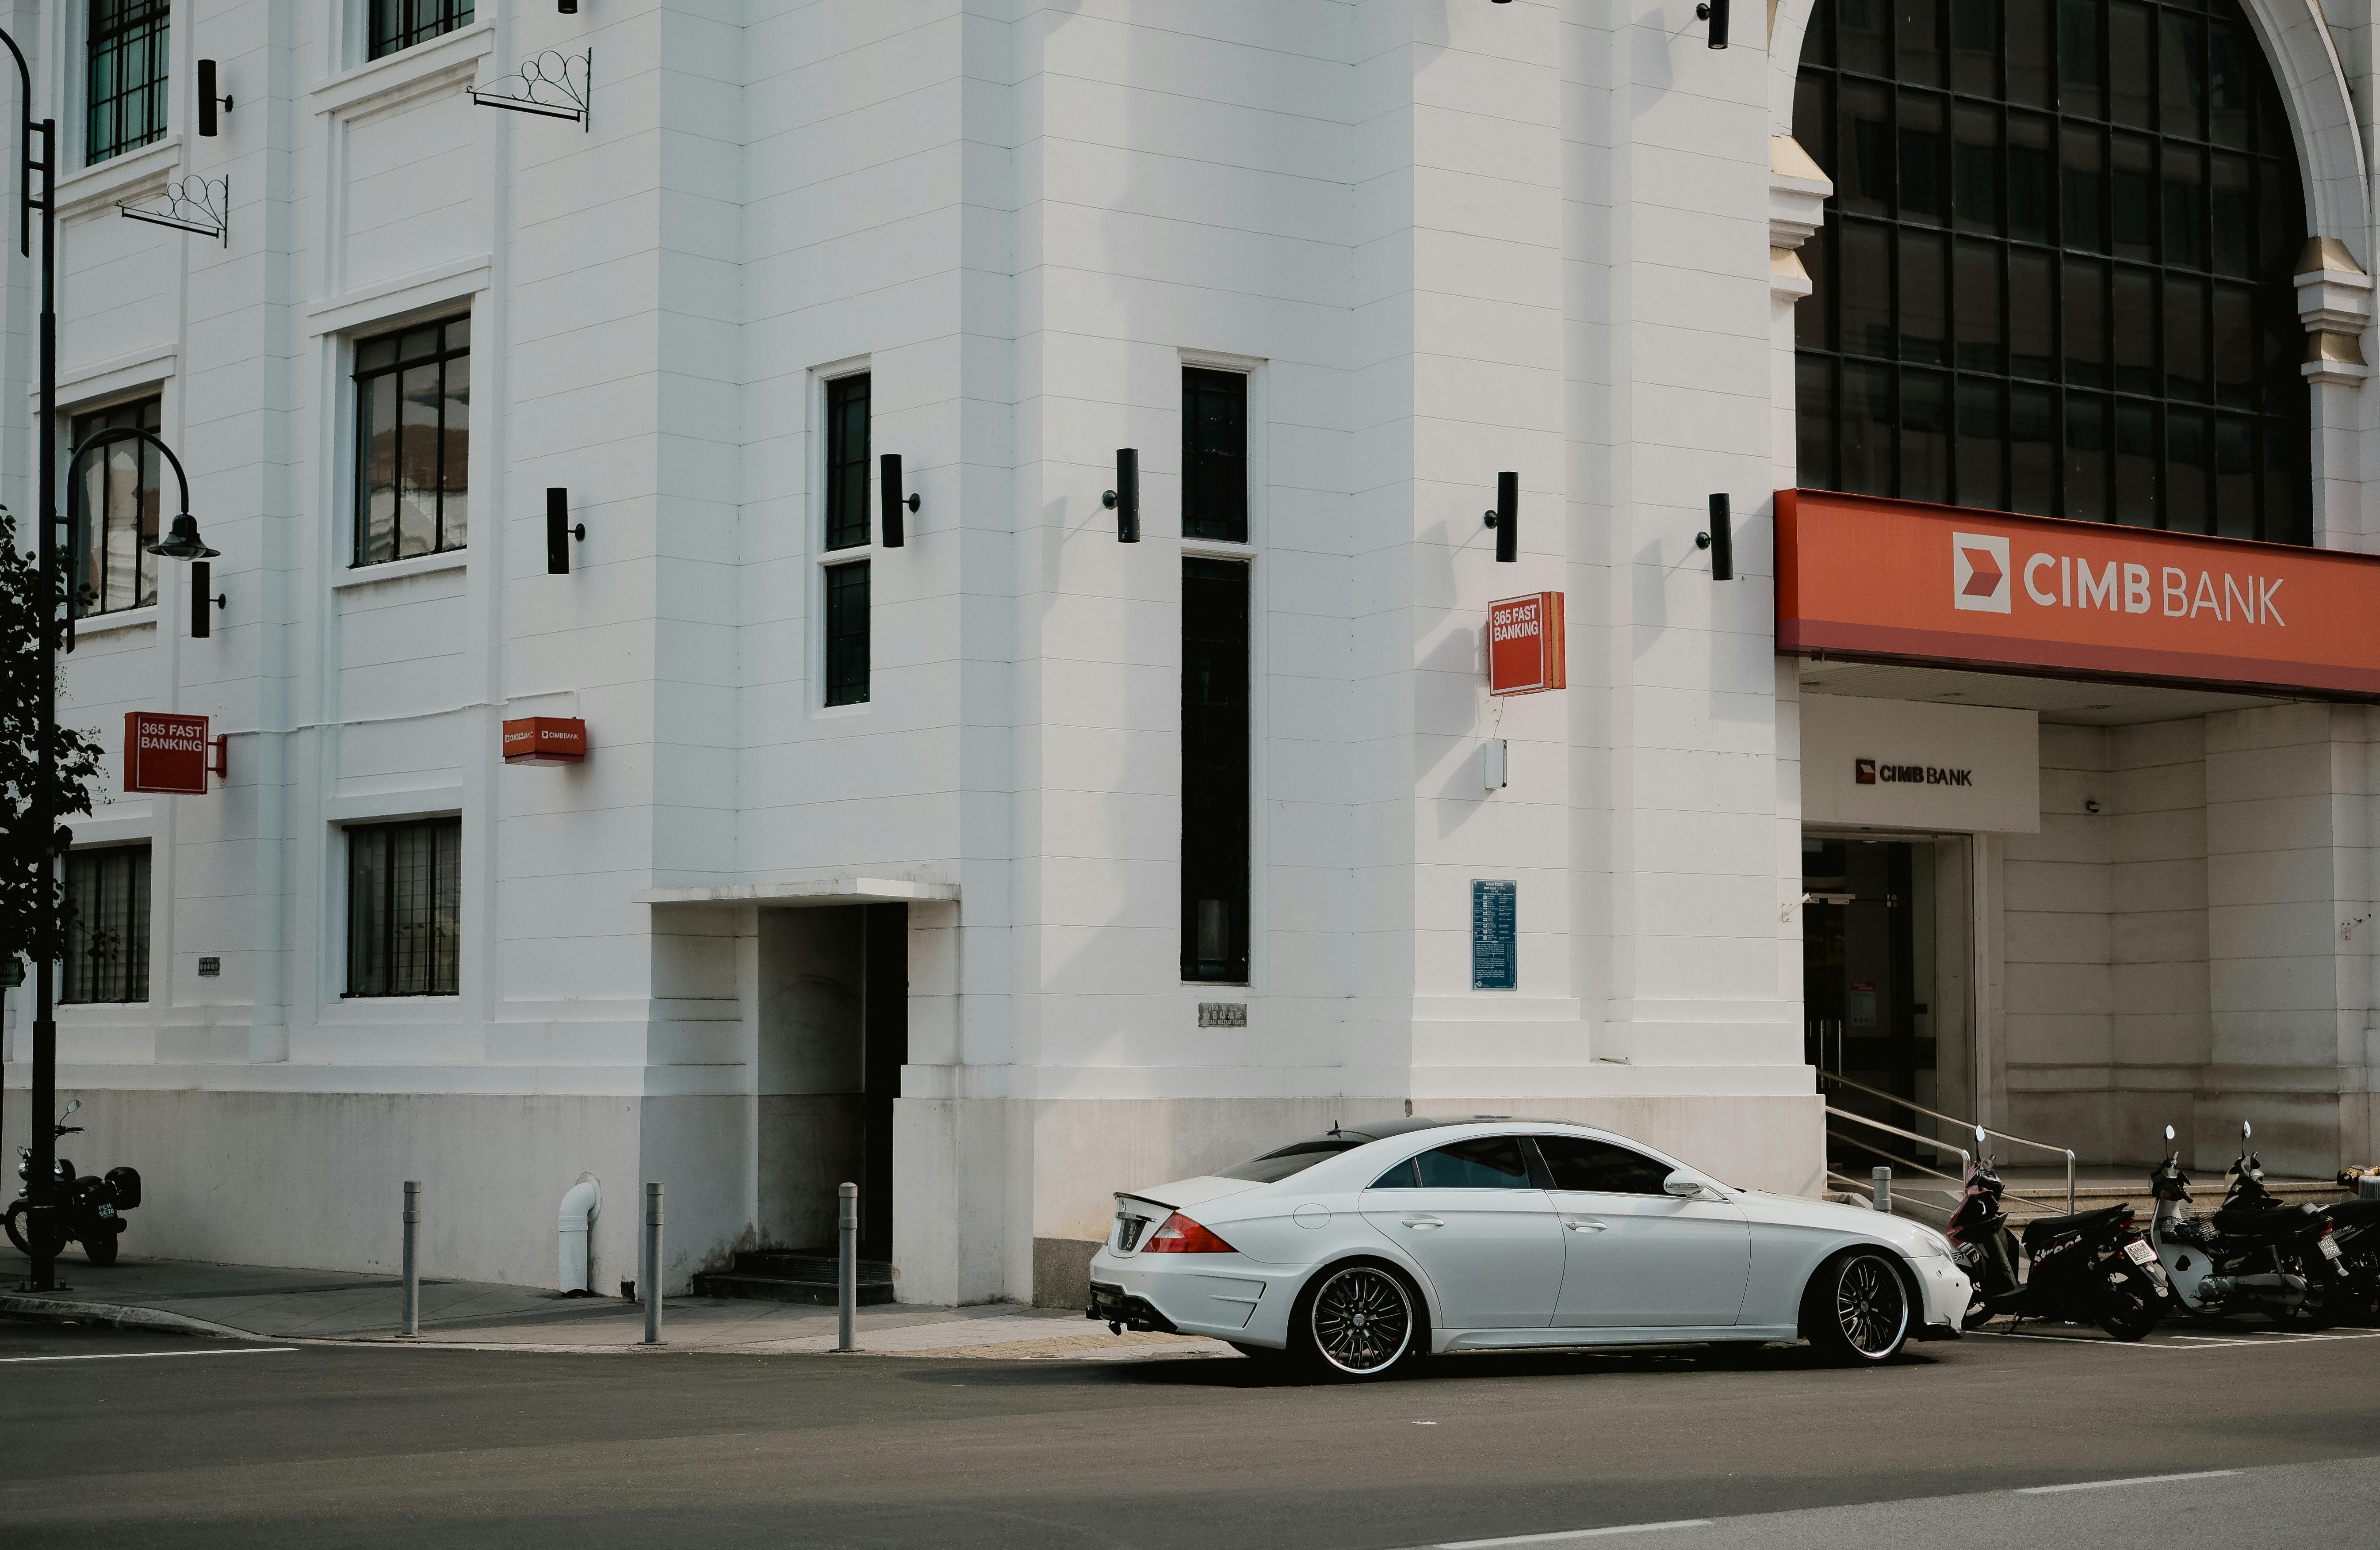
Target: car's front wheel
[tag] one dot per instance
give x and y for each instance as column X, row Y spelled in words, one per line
column 1357, row 1321
column 1857, row 1310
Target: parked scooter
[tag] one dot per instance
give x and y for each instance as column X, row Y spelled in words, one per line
column 92, row 1213
column 2092, row 1267
column 2254, row 1256
column 2355, row 1224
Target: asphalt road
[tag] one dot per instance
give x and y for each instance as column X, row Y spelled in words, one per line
column 162, row 1442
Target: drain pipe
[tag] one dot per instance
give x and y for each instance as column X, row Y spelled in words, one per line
column 576, row 1223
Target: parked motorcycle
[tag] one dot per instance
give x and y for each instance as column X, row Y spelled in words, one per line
column 2092, row 1267
column 2255, row 1255
column 2355, row 1224
column 92, row 1210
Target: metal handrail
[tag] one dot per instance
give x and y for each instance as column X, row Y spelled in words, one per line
column 1966, row 1160
column 1852, row 1187
column 1969, row 1125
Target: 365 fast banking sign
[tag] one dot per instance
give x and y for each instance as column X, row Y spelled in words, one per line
column 1900, row 580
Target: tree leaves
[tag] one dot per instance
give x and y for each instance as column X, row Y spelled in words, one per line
column 30, row 903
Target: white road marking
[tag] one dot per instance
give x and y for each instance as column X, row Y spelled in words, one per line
column 2166, row 1342
column 2135, row 1480
column 130, row 1355
column 1572, row 1534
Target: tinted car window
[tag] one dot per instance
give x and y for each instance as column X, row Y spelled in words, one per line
column 1295, row 1157
column 1578, row 1163
column 1490, row 1162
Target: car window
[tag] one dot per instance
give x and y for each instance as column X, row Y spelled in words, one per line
column 1578, row 1163
column 1295, row 1157
column 1488, row 1162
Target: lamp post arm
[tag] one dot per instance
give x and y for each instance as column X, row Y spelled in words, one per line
column 129, row 433
column 25, row 110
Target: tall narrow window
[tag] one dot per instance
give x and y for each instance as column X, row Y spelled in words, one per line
column 125, row 82
column 1215, row 771
column 413, row 441
column 846, row 633
column 397, row 24
column 404, row 907
column 1214, row 455
column 107, row 925
column 114, row 508
column 846, row 462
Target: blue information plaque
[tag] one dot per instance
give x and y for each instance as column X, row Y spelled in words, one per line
column 1495, row 955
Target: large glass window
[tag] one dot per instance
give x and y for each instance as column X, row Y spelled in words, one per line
column 1215, row 771
column 404, row 907
column 124, row 82
column 113, row 505
column 2056, row 272
column 397, row 24
column 107, row 925
column 413, row 441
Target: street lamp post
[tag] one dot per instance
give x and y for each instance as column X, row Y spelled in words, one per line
column 39, row 1187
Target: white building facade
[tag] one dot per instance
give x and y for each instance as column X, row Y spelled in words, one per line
column 1012, row 864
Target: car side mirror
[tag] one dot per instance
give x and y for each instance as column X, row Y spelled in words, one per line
column 1684, row 1185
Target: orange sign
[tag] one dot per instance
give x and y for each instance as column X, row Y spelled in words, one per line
column 1905, row 581
column 545, row 740
column 1525, row 644
column 165, row 753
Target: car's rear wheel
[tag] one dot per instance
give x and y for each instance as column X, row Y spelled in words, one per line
column 1359, row 1321
column 1857, row 1310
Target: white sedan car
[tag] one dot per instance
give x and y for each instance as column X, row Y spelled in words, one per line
column 1357, row 1251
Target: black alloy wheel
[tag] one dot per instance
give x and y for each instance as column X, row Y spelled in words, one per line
column 1856, row 1310
column 1358, row 1321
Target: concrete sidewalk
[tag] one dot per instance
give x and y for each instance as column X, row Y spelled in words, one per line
column 258, row 1302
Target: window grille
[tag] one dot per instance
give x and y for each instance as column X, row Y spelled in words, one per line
column 2056, row 272
column 398, row 24
column 404, row 907
column 1214, row 455
column 107, row 925
column 846, row 461
column 413, row 441
column 114, row 506
column 846, row 633
column 127, row 61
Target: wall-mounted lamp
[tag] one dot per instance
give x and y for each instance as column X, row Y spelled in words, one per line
column 1492, row 762
column 1506, row 519
column 1125, row 499
column 559, row 531
column 1721, row 539
column 888, row 469
column 202, row 604
column 208, row 101
column 1715, row 12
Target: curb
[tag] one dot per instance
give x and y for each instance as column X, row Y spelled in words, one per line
column 121, row 1315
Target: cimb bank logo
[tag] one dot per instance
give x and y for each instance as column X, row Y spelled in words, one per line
column 1979, row 573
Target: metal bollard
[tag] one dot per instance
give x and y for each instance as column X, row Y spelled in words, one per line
column 651, row 1270
column 409, row 1320
column 1882, row 1177
column 846, row 1271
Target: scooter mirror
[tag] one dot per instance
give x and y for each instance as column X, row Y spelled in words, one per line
column 72, row 1104
column 2246, row 1130
column 2169, row 1132
column 1979, row 1137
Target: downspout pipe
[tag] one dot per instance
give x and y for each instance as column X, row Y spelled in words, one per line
column 580, row 1205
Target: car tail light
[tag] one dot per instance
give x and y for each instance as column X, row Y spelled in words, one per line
column 1180, row 1235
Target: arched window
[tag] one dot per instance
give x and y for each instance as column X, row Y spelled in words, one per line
column 2055, row 276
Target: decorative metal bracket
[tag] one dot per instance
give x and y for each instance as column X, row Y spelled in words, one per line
column 193, row 204
column 554, row 84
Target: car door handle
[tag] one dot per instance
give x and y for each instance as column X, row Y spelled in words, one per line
column 1585, row 1224
column 1420, row 1222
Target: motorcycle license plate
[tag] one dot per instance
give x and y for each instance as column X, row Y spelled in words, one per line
column 2140, row 1253
column 2329, row 1247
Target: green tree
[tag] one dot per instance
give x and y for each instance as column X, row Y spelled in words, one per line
column 29, row 910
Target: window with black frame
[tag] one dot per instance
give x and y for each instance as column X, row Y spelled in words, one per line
column 1215, row 796
column 124, row 81
column 399, row 24
column 113, row 506
column 404, row 907
column 846, row 633
column 107, row 925
column 2055, row 274
column 1214, row 455
column 413, row 441
column 847, row 524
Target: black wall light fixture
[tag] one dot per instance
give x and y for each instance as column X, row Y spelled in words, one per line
column 889, row 480
column 1721, row 539
column 1715, row 12
column 1125, row 499
column 204, row 599
column 559, row 531
column 1506, row 519
column 209, row 125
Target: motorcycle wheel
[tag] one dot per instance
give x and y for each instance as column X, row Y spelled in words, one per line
column 2126, row 1314
column 100, row 1247
column 14, row 1223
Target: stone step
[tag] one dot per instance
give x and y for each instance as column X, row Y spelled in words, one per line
column 806, row 1264
column 775, row 1289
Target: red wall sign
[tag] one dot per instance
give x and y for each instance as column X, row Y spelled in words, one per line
column 1900, row 580
column 165, row 753
column 1525, row 644
column 545, row 740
